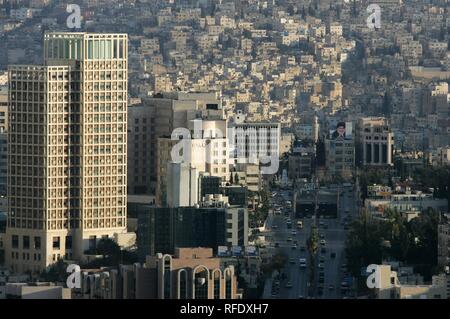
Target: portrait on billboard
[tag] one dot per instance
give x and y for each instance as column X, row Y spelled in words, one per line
column 343, row 131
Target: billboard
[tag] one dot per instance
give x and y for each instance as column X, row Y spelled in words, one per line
column 236, row 251
column 222, row 251
column 250, row 251
column 343, row 130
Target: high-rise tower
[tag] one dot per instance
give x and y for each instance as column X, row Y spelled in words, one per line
column 67, row 149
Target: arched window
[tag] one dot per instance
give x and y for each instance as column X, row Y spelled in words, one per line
column 217, row 277
column 228, row 283
column 167, row 259
column 182, row 284
column 201, row 282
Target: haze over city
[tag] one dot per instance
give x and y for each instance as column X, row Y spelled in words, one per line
column 224, row 149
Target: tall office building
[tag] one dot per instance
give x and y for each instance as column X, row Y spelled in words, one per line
column 67, row 155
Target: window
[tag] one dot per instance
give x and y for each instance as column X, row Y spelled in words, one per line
column 37, row 242
column 26, row 242
column 15, row 241
column 56, row 243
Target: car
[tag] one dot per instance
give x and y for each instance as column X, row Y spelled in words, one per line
column 302, row 248
column 322, row 236
column 333, row 255
column 301, row 297
column 294, row 246
column 331, row 287
column 323, row 242
column 277, row 245
column 274, row 227
column 289, row 239
column 321, row 266
column 289, row 284
column 322, row 259
column 321, row 280
column 291, row 260
column 302, row 262
column 293, row 233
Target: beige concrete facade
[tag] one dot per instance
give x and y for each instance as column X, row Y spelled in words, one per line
column 67, row 156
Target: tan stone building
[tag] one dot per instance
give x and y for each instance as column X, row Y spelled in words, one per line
column 67, row 156
column 193, row 273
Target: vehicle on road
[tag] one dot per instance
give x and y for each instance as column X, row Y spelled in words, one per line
column 333, row 255
column 291, row 260
column 322, row 259
column 321, row 266
column 275, row 227
column 301, row 297
column 322, row 235
column 302, row 262
column 331, row 287
column 323, row 242
column 299, row 224
column 294, row 246
column 289, row 284
column 293, row 233
column 277, row 245
column 302, row 248
column 289, row 224
column 289, row 239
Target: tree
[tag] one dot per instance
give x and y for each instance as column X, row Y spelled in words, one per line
column 56, row 272
column 415, row 242
column 108, row 248
column 278, row 261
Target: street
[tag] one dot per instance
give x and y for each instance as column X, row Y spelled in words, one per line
column 294, row 281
